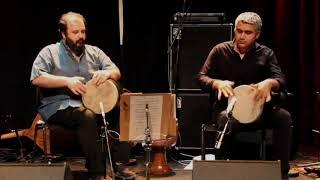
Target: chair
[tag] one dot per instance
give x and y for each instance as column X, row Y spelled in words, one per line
column 53, row 140
column 261, row 137
column 50, row 139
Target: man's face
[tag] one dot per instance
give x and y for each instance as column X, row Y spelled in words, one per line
column 245, row 36
column 75, row 35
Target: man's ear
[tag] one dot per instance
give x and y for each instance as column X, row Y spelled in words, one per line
column 63, row 35
column 258, row 35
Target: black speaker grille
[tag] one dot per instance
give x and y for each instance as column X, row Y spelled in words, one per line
column 195, row 42
column 193, row 109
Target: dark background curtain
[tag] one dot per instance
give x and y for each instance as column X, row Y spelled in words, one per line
column 297, row 44
column 290, row 28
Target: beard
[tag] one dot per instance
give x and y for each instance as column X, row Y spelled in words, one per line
column 77, row 47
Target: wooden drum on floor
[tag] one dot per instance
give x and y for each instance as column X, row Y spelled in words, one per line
column 159, row 166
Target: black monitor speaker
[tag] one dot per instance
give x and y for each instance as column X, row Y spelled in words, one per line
column 193, row 109
column 35, row 171
column 195, row 42
column 236, row 169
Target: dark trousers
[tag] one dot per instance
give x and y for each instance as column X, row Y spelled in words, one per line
column 278, row 119
column 84, row 122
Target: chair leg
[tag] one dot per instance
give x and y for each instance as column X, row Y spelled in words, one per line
column 263, row 150
column 203, row 149
column 205, row 128
column 34, row 142
column 44, row 134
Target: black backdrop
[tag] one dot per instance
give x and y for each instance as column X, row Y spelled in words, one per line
column 27, row 26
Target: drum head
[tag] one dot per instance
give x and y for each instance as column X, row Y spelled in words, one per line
column 107, row 93
column 246, row 109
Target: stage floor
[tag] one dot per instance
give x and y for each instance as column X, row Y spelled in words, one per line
column 79, row 172
column 307, row 155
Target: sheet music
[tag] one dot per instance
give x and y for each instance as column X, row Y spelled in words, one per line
column 138, row 119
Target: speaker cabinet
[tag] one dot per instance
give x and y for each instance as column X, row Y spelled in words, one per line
column 231, row 170
column 193, row 109
column 193, row 45
column 34, row 171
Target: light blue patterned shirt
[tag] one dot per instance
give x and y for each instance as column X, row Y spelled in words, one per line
column 57, row 59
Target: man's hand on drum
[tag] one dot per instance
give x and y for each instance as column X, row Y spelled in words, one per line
column 263, row 91
column 76, row 85
column 100, row 77
column 224, row 88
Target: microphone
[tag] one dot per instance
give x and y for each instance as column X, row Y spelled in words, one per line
column 221, row 134
column 232, row 101
column 147, row 115
column 218, row 143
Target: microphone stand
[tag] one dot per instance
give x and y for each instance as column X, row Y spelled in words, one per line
column 105, row 128
column 148, row 145
column 221, row 134
column 21, row 147
column 178, row 34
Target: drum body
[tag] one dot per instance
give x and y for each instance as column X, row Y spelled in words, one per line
column 246, row 108
column 108, row 93
column 160, row 166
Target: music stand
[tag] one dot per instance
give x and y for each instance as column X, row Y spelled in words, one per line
column 146, row 118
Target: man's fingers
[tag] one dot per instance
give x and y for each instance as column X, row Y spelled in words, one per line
column 225, row 89
column 254, row 85
column 229, row 91
column 219, row 95
column 268, row 98
column 79, row 89
column 82, row 89
column 75, row 91
column 101, row 80
column 260, row 95
column 82, row 79
column 225, row 93
column 232, row 83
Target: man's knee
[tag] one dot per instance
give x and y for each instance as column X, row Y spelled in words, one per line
column 221, row 118
column 90, row 115
column 282, row 117
column 87, row 114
